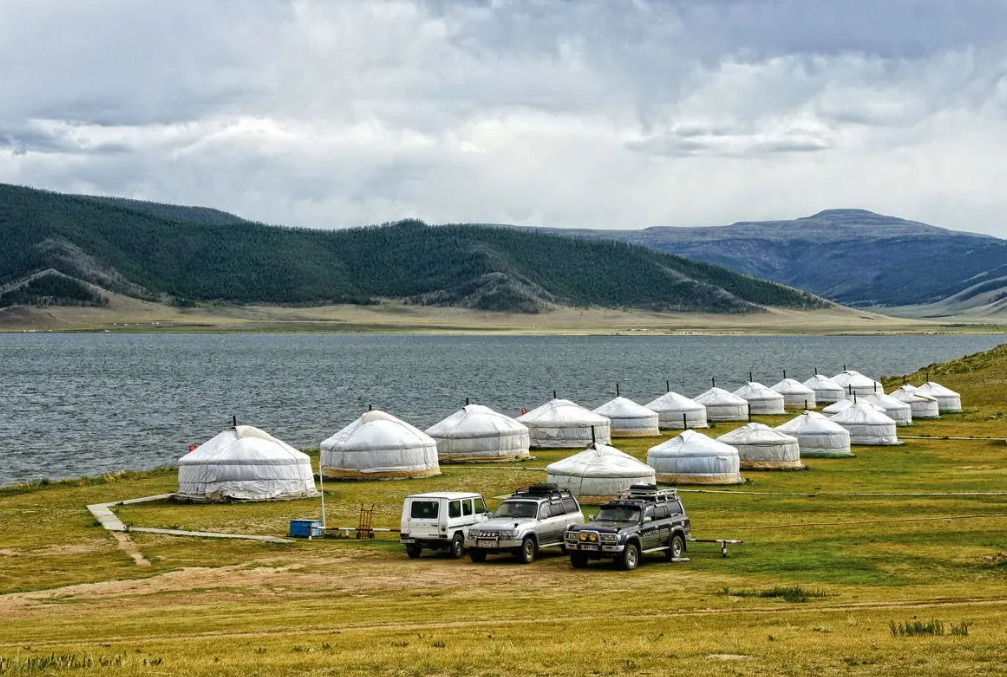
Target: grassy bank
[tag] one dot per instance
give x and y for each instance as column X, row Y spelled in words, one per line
column 833, row 556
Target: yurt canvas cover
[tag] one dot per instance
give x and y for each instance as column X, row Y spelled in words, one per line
column 763, row 448
column 693, row 458
column 244, row 463
column 723, row 406
column 826, row 390
column 923, row 406
column 599, row 472
column 796, row 394
column 854, row 382
column 948, row 401
column 818, row 436
column 867, row 426
column 629, row 419
column 762, row 400
column 895, row 409
column 843, row 405
column 562, row 424
column 678, row 411
column 477, row 433
column 379, row 446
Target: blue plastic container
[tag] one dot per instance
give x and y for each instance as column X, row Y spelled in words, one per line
column 305, row 529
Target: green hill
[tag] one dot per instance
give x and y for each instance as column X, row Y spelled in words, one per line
column 184, row 254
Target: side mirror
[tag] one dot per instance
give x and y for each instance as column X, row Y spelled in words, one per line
column 647, row 520
column 590, row 518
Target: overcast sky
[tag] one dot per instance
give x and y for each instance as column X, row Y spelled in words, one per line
column 587, row 113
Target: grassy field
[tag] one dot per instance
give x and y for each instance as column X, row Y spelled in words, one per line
column 131, row 315
column 833, row 557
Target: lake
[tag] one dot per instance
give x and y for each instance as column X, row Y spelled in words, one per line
column 82, row 404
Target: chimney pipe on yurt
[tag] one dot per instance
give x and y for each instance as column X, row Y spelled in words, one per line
column 816, row 371
column 784, row 373
column 713, row 380
column 554, row 395
column 234, row 421
column 667, row 386
column 617, row 390
column 750, row 379
column 466, row 401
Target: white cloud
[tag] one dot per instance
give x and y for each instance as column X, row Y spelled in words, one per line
column 591, row 113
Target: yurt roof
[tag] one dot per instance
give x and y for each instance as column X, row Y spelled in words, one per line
column 475, row 420
column 244, row 444
column 936, row 390
column 811, row 423
column 692, row 443
column 377, row 430
column 863, row 413
column 908, row 394
column 672, row 401
column 757, row 434
column 884, row 401
column 819, row 382
column 562, row 412
column 756, row 391
column 622, row 407
column 843, row 405
column 791, row 386
column 719, row 396
column 600, row 460
column 855, row 379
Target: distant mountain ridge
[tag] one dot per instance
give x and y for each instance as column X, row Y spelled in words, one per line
column 50, row 242
column 852, row 256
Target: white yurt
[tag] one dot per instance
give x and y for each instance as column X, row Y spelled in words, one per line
column 562, row 424
column 923, row 406
column 477, row 433
column 896, row 409
column 763, row 448
column 818, row 436
column 826, row 390
column 761, row 399
column 796, row 394
column 247, row 464
column 629, row 419
column 867, row 425
column 948, row 401
column 854, row 382
column 694, row 458
column 599, row 473
column 723, row 406
column 678, row 411
column 843, row 405
column 379, row 446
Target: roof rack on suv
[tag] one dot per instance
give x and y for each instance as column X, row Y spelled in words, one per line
column 542, row 489
column 649, row 492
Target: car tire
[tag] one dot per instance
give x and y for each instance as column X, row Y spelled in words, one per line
column 477, row 555
column 677, row 548
column 578, row 560
column 457, row 547
column 630, row 557
column 528, row 551
column 414, row 550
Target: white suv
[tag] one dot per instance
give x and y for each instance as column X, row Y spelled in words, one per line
column 532, row 518
column 440, row 521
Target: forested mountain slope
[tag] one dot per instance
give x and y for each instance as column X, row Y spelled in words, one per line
column 183, row 254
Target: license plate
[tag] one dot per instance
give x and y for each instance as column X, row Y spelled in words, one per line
column 588, row 547
column 408, row 540
column 485, row 544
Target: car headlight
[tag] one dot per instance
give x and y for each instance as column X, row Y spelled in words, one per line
column 610, row 538
column 510, row 533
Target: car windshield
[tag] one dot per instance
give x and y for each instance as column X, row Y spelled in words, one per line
column 610, row 513
column 516, row 509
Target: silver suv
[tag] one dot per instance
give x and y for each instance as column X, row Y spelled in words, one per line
column 532, row 518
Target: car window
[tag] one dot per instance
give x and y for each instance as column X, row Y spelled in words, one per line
column 454, row 509
column 516, row 509
column 480, row 506
column 556, row 509
column 661, row 512
column 424, row 510
column 543, row 511
column 618, row 514
column 648, row 511
column 676, row 507
column 570, row 505
column 467, row 507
